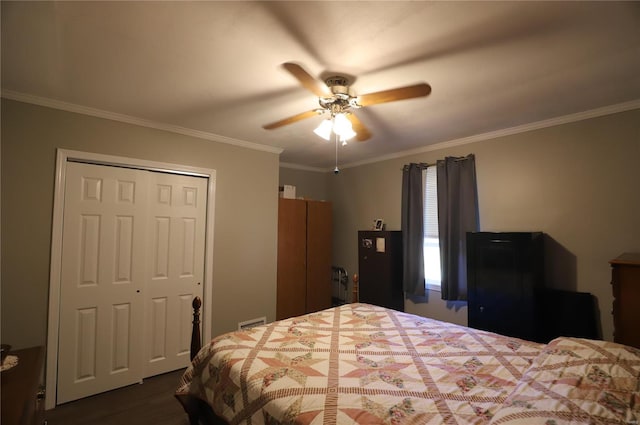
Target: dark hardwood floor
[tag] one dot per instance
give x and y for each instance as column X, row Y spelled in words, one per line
column 151, row 402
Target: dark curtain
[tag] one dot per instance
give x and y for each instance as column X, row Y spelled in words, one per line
column 457, row 215
column 412, row 230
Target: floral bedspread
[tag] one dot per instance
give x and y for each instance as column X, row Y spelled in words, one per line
column 577, row 381
column 358, row 364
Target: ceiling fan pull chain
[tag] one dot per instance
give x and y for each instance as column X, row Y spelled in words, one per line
column 335, row 138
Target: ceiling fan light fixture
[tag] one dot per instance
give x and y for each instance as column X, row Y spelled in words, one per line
column 346, row 135
column 342, row 126
column 336, row 98
column 324, row 129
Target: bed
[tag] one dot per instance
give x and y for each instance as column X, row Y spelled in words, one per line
column 364, row 364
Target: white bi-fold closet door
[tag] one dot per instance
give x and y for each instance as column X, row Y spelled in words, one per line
column 132, row 261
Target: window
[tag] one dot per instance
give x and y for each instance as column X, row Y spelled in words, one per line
column 432, row 274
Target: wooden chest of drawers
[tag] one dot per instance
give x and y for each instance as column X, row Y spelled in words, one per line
column 625, row 281
column 20, row 385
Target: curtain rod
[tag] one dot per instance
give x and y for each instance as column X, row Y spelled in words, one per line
column 420, row 165
column 427, row 165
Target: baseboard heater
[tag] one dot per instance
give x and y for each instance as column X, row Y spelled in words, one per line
column 252, row 323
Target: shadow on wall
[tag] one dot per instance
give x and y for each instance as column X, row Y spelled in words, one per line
column 560, row 266
column 574, row 313
column 450, row 305
column 418, row 299
column 456, row 305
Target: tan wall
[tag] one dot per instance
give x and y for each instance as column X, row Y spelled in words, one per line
column 578, row 183
column 245, row 241
column 309, row 184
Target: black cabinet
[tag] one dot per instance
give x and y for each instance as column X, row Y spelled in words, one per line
column 567, row 313
column 505, row 274
column 380, row 268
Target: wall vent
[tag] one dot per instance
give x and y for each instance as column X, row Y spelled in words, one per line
column 252, row 323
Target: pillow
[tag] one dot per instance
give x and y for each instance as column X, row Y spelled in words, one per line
column 577, row 381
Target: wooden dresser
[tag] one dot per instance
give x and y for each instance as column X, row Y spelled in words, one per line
column 20, row 387
column 625, row 281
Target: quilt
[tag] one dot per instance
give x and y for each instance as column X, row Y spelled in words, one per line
column 577, row 381
column 358, row 364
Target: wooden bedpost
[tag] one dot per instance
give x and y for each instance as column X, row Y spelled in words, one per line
column 196, row 342
column 356, row 279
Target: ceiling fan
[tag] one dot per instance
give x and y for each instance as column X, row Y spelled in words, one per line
column 336, row 97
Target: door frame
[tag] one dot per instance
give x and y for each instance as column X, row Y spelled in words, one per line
column 63, row 157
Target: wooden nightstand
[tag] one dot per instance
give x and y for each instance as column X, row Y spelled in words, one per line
column 20, row 386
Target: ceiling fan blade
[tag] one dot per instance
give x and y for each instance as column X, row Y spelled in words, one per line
column 316, row 87
column 291, row 119
column 391, row 95
column 362, row 133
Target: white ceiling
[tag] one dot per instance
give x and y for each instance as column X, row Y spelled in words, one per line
column 214, row 67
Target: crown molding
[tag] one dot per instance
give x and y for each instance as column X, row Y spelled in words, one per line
column 565, row 119
column 85, row 110
column 302, row 167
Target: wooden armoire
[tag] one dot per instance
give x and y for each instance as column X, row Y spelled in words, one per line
column 304, row 257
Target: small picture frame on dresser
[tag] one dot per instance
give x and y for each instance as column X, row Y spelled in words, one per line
column 378, row 224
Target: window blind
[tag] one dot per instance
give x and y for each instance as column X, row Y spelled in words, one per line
column 430, row 203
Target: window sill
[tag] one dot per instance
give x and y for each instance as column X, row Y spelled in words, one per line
column 433, row 288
